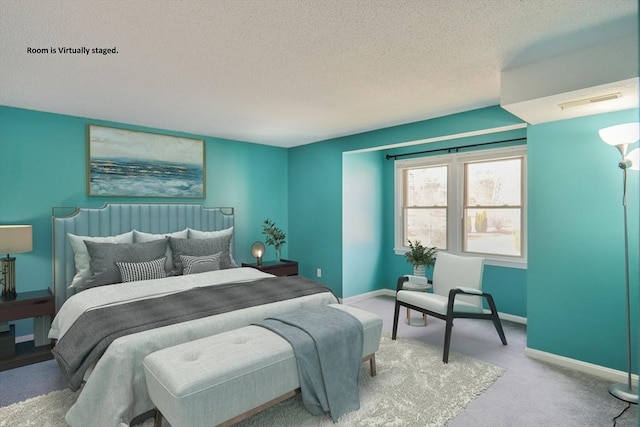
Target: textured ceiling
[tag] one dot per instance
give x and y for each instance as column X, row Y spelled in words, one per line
column 284, row 72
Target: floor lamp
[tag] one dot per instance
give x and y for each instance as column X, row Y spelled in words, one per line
column 621, row 136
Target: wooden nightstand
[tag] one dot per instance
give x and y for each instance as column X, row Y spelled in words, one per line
column 37, row 304
column 284, row 267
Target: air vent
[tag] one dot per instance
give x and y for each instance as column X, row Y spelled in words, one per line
column 587, row 101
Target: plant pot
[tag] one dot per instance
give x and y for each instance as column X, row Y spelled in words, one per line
column 418, row 270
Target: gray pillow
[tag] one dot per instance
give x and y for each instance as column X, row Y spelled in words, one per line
column 104, row 256
column 199, row 234
column 139, row 236
column 201, row 247
column 200, row 264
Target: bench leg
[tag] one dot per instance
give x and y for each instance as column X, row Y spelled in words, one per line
column 157, row 422
column 372, row 365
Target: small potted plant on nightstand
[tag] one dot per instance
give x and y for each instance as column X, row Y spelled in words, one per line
column 420, row 257
column 275, row 236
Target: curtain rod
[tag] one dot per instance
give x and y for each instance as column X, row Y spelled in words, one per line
column 450, row 149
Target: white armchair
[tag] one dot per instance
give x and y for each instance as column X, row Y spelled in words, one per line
column 457, row 293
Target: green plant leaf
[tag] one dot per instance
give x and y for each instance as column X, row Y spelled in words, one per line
column 274, row 236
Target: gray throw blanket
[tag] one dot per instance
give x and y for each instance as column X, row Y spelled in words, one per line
column 328, row 344
column 91, row 334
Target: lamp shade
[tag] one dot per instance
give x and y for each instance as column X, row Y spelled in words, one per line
column 257, row 249
column 626, row 133
column 15, row 239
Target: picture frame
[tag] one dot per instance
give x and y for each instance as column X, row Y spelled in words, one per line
column 133, row 163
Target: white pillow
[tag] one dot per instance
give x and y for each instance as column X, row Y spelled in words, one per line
column 197, row 234
column 81, row 255
column 139, row 236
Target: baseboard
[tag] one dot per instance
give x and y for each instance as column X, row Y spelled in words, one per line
column 510, row 317
column 612, row 375
column 367, row 295
column 389, row 292
column 24, row 338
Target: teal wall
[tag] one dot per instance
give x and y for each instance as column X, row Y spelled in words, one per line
column 362, row 223
column 575, row 283
column 43, row 164
column 315, row 212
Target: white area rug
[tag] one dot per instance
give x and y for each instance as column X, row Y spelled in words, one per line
column 413, row 388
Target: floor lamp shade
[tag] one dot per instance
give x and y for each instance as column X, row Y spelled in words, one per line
column 13, row 239
column 626, row 133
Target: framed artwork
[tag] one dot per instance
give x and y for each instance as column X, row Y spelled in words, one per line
column 133, row 163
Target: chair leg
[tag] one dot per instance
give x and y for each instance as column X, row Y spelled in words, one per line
column 496, row 319
column 498, row 325
column 395, row 321
column 157, row 421
column 447, row 338
column 408, row 320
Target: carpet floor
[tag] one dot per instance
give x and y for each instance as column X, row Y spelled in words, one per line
column 412, row 388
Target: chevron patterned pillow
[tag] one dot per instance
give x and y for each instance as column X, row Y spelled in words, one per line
column 146, row 270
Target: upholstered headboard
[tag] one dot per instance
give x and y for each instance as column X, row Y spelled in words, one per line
column 113, row 219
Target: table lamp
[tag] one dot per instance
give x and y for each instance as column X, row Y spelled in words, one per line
column 13, row 239
column 257, row 250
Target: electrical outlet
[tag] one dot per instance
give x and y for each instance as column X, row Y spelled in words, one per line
column 319, row 272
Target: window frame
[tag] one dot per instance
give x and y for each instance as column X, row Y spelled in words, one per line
column 455, row 204
column 405, row 208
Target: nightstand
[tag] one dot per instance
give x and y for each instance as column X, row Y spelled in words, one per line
column 37, row 304
column 284, row 267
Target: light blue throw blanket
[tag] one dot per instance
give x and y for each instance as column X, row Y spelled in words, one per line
column 328, row 344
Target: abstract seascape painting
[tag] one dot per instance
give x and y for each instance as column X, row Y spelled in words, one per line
column 132, row 163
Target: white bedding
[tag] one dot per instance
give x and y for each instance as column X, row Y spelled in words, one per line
column 116, row 392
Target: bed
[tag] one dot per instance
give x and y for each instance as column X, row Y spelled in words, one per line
column 114, row 391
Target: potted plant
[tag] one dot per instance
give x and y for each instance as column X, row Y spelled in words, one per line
column 275, row 236
column 420, row 257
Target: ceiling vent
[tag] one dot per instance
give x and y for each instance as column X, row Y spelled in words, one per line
column 587, row 101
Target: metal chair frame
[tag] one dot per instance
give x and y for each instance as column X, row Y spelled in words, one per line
column 450, row 315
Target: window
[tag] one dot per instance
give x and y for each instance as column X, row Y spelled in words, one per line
column 470, row 203
column 425, row 205
column 493, row 207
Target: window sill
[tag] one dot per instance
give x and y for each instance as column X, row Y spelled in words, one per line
column 488, row 260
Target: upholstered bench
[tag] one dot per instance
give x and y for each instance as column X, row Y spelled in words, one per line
column 224, row 378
